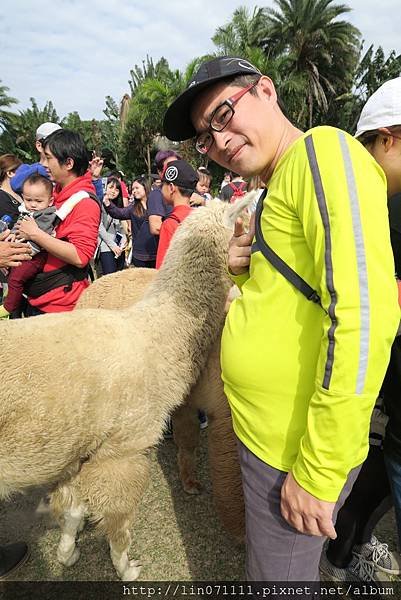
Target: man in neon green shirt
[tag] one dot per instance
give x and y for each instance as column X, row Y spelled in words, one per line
column 301, row 378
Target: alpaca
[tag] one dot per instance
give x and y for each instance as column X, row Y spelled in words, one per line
column 69, row 416
column 118, row 291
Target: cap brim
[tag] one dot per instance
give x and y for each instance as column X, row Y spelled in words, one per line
column 177, row 122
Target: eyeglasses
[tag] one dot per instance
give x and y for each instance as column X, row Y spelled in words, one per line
column 220, row 118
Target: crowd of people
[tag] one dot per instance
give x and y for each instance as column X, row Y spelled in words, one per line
column 129, row 232
column 302, row 378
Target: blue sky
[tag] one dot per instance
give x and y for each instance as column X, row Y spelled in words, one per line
column 75, row 52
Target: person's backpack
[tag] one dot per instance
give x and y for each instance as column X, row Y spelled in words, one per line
column 239, row 189
column 65, row 276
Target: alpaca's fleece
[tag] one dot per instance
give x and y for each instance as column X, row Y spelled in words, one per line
column 73, row 416
column 118, row 291
column 65, row 396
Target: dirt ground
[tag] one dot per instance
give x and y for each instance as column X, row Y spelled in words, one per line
column 177, row 537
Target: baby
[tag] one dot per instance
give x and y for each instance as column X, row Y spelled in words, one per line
column 37, row 194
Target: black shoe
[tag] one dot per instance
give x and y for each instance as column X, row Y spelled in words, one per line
column 11, row 557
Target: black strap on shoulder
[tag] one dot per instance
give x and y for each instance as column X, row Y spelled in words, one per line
column 95, row 198
column 277, row 262
column 46, row 281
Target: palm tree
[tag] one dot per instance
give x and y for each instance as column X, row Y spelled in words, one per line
column 322, row 53
column 5, row 102
column 244, row 31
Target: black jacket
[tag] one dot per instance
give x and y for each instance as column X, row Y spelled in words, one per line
column 391, row 389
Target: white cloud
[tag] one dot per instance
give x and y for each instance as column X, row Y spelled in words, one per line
column 75, row 52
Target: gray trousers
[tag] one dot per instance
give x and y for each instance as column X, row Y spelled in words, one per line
column 275, row 550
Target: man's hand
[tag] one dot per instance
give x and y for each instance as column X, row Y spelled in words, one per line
column 13, row 253
column 304, row 512
column 239, row 251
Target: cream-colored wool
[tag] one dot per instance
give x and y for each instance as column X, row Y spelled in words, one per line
column 71, row 416
column 118, row 291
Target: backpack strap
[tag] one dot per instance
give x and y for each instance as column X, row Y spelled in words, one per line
column 72, row 201
column 277, row 262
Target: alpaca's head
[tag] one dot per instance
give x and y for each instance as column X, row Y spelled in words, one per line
column 200, row 244
column 204, row 235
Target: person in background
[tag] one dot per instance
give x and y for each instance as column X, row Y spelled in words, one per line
column 178, row 184
column 357, row 553
column 65, row 273
column 255, row 184
column 42, row 132
column 226, row 180
column 37, row 194
column 112, row 238
column 202, row 189
column 124, row 190
column 157, row 208
column 234, row 189
column 156, row 181
column 301, row 407
column 144, row 244
column 95, row 164
column 9, row 199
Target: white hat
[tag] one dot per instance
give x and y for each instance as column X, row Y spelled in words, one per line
column 383, row 108
column 44, row 130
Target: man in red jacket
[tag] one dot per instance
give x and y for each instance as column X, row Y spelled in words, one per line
column 74, row 244
column 178, row 184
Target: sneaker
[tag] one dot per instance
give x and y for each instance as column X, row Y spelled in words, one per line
column 379, row 554
column 12, row 557
column 359, row 569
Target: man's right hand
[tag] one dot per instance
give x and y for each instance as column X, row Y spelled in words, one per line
column 13, row 253
column 239, row 250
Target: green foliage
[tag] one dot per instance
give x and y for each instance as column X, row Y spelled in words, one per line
column 372, row 71
column 5, row 102
column 310, row 51
column 153, row 88
column 19, row 130
column 244, row 31
column 320, row 52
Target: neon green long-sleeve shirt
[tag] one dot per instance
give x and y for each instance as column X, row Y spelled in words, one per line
column 302, row 382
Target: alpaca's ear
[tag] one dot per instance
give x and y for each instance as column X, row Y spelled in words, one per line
column 233, row 211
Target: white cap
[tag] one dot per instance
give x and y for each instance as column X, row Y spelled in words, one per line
column 46, row 129
column 383, row 108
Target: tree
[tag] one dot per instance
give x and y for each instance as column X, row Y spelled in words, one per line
column 373, row 69
column 6, row 140
column 153, row 88
column 322, row 54
column 244, row 31
column 5, row 102
column 21, row 128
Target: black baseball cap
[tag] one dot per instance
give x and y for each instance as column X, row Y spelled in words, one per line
column 180, row 173
column 177, row 122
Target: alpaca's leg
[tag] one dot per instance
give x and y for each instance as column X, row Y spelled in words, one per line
column 70, row 511
column 224, row 466
column 112, row 487
column 186, row 437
